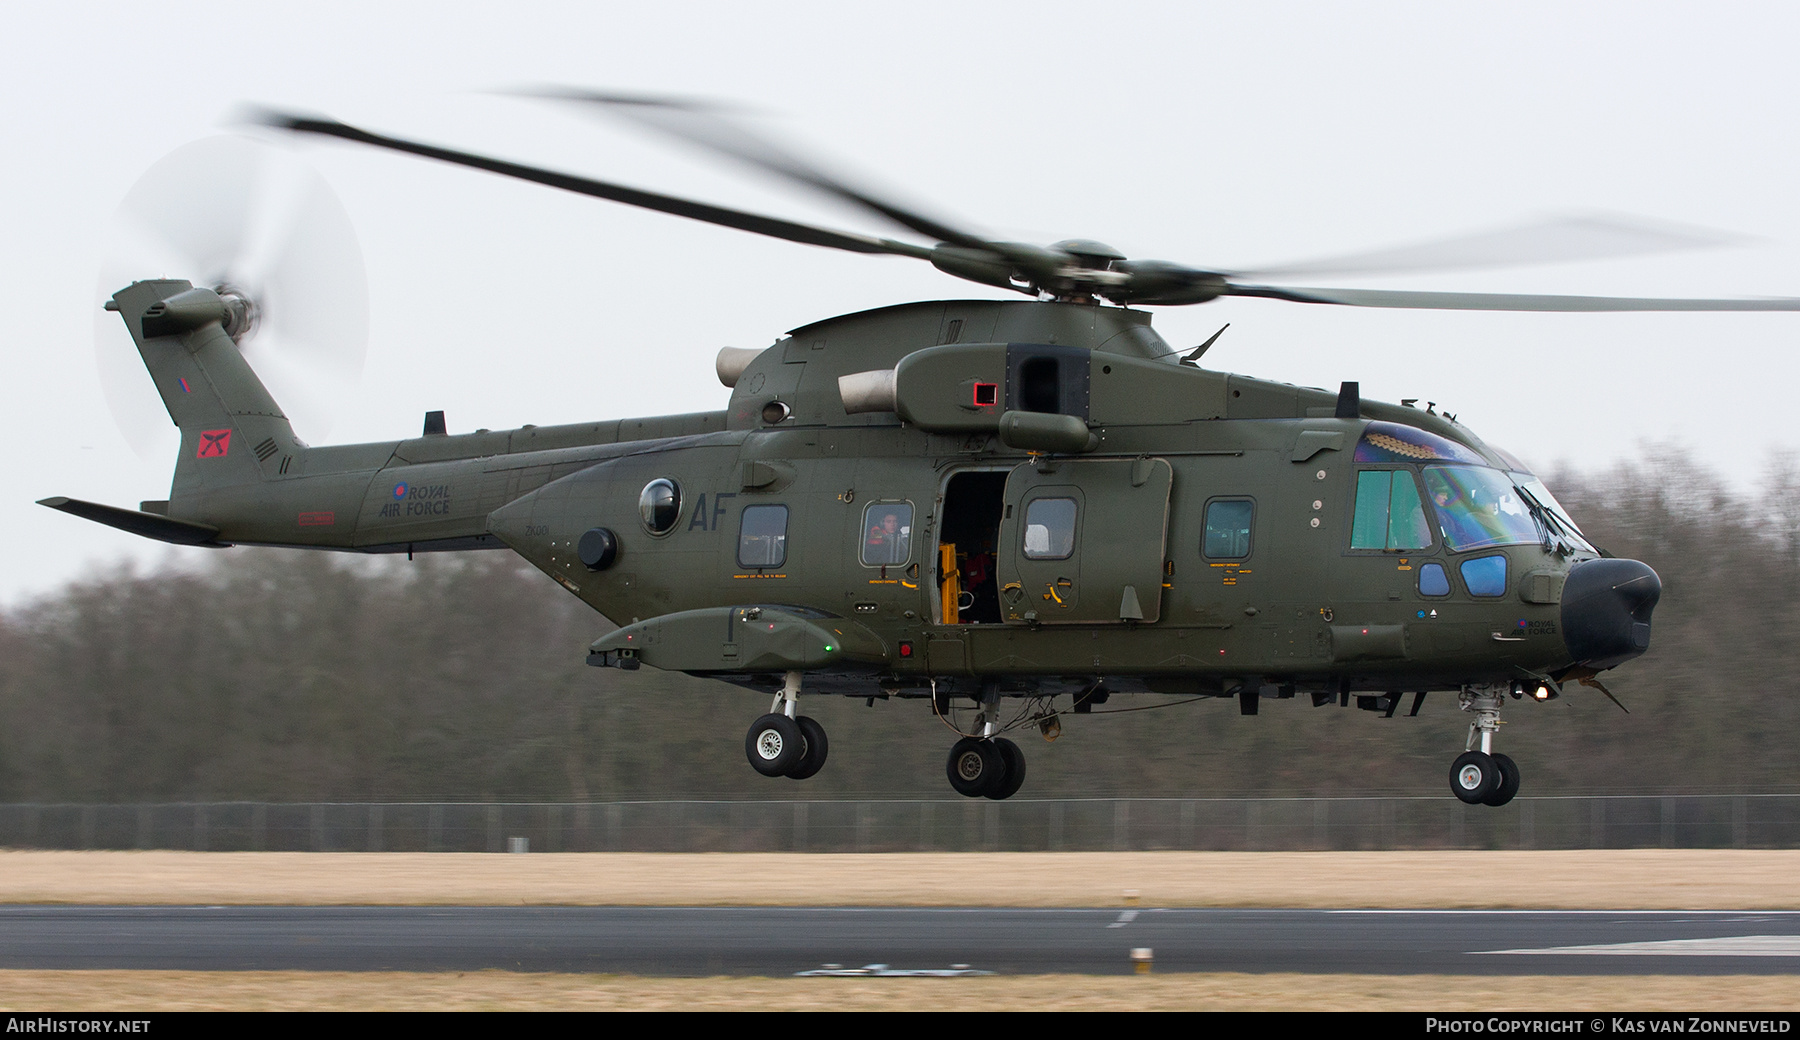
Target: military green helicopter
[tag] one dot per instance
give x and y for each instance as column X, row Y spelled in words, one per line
column 960, row 502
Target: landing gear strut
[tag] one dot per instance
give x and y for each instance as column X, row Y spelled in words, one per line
column 784, row 742
column 987, row 766
column 1480, row 776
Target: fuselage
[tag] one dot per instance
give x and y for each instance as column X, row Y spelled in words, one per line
column 1215, row 533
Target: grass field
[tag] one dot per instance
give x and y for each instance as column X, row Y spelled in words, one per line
column 1640, row 879
column 502, row 991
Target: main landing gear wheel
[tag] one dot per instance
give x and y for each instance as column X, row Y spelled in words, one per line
column 1475, row 777
column 1509, row 781
column 775, row 745
column 813, row 759
column 976, row 767
column 1015, row 769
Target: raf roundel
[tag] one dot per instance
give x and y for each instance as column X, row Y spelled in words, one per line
column 400, row 490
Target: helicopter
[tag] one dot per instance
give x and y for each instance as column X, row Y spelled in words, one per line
column 960, row 502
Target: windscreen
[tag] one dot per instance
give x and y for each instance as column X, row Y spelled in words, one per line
column 1478, row 507
column 1559, row 516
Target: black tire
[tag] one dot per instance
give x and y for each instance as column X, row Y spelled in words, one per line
column 816, row 749
column 1015, row 769
column 1474, row 776
column 975, row 767
column 1509, row 782
column 774, row 745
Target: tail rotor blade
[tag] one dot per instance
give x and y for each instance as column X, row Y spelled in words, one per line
column 229, row 211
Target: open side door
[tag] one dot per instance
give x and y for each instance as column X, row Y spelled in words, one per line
column 1081, row 541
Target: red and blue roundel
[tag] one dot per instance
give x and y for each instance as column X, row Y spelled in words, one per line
column 400, row 490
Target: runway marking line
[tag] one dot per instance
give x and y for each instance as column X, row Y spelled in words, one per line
column 1723, row 946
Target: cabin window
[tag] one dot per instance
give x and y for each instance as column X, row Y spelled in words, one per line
column 1433, row 581
column 1228, row 529
column 1050, row 529
column 887, row 534
column 762, row 536
column 1389, row 513
column 1485, row 576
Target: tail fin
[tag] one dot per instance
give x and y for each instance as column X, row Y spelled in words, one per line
column 232, row 432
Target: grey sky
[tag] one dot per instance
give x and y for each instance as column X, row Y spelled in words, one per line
column 1233, row 135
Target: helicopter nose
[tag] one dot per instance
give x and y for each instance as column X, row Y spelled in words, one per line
column 1606, row 607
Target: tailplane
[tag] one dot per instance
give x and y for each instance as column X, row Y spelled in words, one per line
column 233, row 433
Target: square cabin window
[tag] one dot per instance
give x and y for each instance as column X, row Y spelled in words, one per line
column 762, row 536
column 1050, row 529
column 887, row 534
column 1228, row 529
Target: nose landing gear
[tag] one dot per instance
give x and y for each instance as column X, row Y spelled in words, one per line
column 783, row 742
column 1483, row 777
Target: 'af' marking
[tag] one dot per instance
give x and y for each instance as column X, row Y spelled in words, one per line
column 701, row 517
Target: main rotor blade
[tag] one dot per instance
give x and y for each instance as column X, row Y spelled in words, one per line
column 774, row 227
column 1461, row 301
column 707, row 125
column 1593, row 236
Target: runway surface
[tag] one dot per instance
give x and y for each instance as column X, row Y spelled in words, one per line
column 786, row 941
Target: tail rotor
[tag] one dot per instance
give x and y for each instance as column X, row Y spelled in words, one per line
column 261, row 227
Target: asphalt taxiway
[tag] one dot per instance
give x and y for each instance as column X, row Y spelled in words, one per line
column 764, row 941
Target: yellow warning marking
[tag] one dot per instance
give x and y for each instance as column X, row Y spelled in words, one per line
column 759, row 575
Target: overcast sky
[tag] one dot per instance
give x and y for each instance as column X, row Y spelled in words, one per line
column 1228, row 135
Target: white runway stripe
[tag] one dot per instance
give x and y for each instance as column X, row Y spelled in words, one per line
column 1725, row 946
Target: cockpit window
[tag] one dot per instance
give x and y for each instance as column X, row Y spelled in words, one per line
column 1559, row 516
column 1478, row 507
column 1386, row 442
column 1389, row 515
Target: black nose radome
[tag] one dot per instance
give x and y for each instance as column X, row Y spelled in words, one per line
column 1606, row 607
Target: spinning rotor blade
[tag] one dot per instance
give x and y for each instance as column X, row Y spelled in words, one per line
column 708, row 126
column 1081, row 271
column 231, row 212
column 774, row 227
column 1595, row 236
column 1461, row 301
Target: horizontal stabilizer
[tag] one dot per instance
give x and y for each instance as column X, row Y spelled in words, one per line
column 149, row 525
